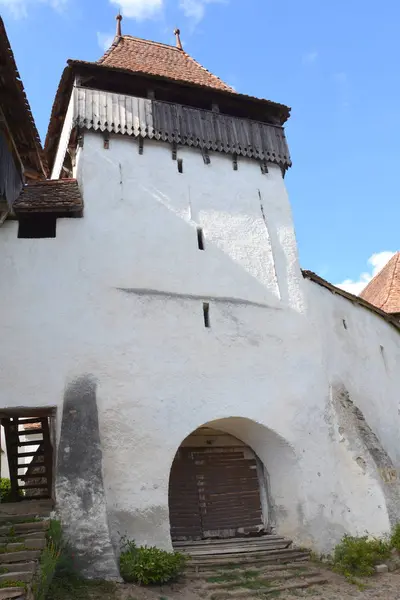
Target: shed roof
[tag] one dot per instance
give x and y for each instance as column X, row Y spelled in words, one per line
column 17, row 112
column 61, row 196
column 383, row 291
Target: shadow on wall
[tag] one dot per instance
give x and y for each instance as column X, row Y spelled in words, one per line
column 79, row 485
column 278, row 472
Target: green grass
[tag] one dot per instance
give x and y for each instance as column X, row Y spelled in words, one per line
column 224, row 578
column 67, row 588
column 256, row 584
column 17, row 520
column 5, row 550
column 250, row 573
column 7, row 584
column 230, row 566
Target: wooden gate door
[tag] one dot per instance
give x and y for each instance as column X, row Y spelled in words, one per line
column 184, row 507
column 229, row 491
column 214, row 492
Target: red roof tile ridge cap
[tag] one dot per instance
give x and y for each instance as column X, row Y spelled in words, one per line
column 153, row 43
column 207, row 71
column 396, row 262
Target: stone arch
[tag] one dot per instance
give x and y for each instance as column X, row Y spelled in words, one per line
column 263, row 459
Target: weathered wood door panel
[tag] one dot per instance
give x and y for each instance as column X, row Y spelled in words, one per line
column 184, row 506
column 214, row 492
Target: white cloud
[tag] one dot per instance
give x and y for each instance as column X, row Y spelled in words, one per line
column 310, row 58
column 105, row 40
column 195, row 9
column 20, row 8
column 376, row 263
column 139, row 9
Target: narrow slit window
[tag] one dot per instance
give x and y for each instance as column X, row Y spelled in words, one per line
column 206, row 314
column 180, row 165
column 200, row 238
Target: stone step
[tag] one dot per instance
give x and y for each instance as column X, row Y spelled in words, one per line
column 237, row 549
column 273, row 578
column 24, row 576
column 8, row 520
column 238, row 594
column 12, row 592
column 278, row 556
column 29, row 567
column 35, row 543
column 16, row 557
column 38, row 535
column 27, row 544
column 262, row 569
column 25, row 508
column 226, row 541
column 21, row 528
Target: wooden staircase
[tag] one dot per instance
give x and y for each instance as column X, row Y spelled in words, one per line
column 37, row 478
column 248, row 567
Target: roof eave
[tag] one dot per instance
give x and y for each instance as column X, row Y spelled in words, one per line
column 284, row 110
column 354, row 299
column 66, row 83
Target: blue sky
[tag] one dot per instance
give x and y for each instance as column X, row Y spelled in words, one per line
column 336, row 63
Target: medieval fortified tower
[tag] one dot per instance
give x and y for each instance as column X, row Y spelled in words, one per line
column 187, row 378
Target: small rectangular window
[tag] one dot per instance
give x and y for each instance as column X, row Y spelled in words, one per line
column 206, row 314
column 200, row 238
column 36, row 227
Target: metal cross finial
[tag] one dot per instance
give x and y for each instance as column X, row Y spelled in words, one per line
column 177, row 33
column 119, row 19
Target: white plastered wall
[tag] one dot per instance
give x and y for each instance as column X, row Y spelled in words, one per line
column 118, row 296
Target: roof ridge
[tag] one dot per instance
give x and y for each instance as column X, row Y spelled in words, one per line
column 152, row 42
column 118, row 39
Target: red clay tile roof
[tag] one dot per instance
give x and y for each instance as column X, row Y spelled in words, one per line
column 154, row 58
column 50, row 196
column 384, row 289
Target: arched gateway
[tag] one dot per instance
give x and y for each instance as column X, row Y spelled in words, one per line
column 216, row 488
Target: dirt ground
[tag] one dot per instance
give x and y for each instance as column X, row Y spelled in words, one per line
column 384, row 587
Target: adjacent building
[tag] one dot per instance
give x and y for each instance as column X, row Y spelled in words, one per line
column 384, row 289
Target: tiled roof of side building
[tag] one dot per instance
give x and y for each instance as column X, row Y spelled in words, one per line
column 154, row 58
column 384, row 289
column 17, row 111
column 61, row 196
